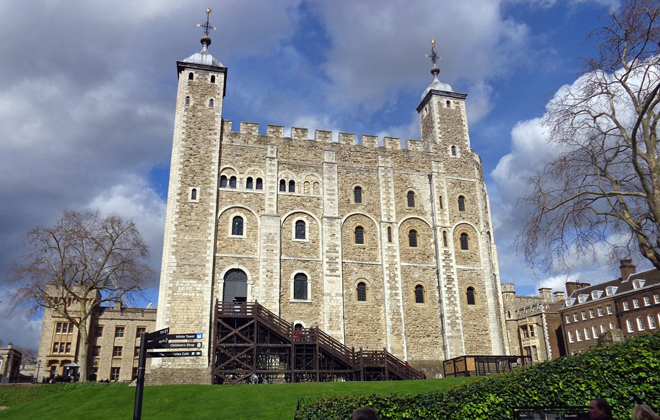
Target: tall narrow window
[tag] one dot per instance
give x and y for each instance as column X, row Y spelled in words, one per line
column 630, row 325
column 389, row 234
column 292, row 186
column 464, row 241
column 193, row 194
column 249, row 183
column 210, row 103
column 419, row 294
column 453, row 150
column 461, row 203
column 470, row 296
column 300, row 229
column 237, row 226
column 652, row 324
column 411, row 199
column 282, row 185
column 223, row 181
column 187, row 100
column 300, row 286
column 412, row 238
column 362, row 292
column 232, row 182
column 260, row 184
column 444, row 239
column 359, row 235
column 357, row 194
column 190, row 76
column 640, row 323
column 440, row 201
column 212, row 79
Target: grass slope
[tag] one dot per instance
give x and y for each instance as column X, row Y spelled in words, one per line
column 111, row 401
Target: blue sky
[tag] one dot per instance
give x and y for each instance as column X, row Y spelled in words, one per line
column 87, row 93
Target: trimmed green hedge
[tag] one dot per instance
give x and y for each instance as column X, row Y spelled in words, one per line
column 626, row 374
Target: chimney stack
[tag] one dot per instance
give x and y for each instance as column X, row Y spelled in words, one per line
column 572, row 286
column 627, row 268
column 559, row 296
column 546, row 294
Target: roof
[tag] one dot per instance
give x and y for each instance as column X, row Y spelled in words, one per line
column 635, row 282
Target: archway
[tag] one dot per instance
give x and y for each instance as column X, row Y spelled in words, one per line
column 235, row 287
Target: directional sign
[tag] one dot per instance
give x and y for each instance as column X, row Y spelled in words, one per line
column 178, row 346
column 174, row 353
column 157, row 334
column 157, row 343
column 186, row 336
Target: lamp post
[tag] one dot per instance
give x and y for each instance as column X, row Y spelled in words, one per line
column 38, row 367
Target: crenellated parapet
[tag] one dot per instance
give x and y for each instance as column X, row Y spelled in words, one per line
column 323, row 136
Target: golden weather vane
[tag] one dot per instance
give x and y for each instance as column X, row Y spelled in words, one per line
column 434, row 55
column 207, row 26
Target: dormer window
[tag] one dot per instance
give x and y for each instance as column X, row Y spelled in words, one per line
column 638, row 284
column 596, row 294
column 610, row 290
column 570, row 302
column 582, row 298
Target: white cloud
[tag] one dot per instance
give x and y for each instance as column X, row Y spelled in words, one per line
column 378, row 47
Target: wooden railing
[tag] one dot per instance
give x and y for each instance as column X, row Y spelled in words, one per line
column 356, row 360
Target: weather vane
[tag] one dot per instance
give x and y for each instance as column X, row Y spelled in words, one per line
column 434, row 55
column 207, row 26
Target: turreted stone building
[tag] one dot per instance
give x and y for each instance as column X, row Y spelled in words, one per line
column 379, row 245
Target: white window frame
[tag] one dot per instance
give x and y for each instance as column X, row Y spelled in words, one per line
column 630, row 325
column 651, row 321
column 592, row 313
column 635, row 303
column 640, row 324
column 600, row 311
column 583, row 314
column 594, row 332
column 612, row 326
column 568, row 319
column 578, row 334
column 609, row 309
column 575, row 317
column 570, row 337
column 626, row 305
column 656, row 298
column 587, row 333
column 647, row 300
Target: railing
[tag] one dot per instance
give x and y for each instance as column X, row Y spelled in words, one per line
column 356, row 360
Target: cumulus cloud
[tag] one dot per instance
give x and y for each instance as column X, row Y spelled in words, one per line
column 378, row 47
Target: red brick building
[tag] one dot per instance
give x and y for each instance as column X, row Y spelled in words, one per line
column 630, row 303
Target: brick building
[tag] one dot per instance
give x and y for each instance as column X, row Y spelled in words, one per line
column 630, row 303
column 533, row 324
column 379, row 246
column 114, row 333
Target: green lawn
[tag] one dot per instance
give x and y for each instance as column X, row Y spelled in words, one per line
column 107, row 402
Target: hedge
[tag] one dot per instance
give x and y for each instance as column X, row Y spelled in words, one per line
column 625, row 373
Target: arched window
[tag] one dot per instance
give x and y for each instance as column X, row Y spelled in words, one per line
column 461, row 203
column 412, row 238
column 362, row 292
column 210, row 103
column 419, row 294
column 389, row 234
column 444, row 239
column 249, row 183
column 300, row 286
column 232, row 182
column 448, row 104
column 212, row 79
column 470, row 296
column 187, row 100
column 411, row 199
column 300, row 229
column 453, row 150
column 357, row 194
column 193, row 194
column 306, row 187
column 464, row 241
column 652, row 324
column 282, row 185
column 223, row 181
column 237, row 226
column 317, row 188
column 629, row 324
column 640, row 323
column 292, row 186
column 359, row 235
column 260, row 184
column 190, row 76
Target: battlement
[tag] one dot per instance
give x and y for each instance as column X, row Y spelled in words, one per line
column 324, row 136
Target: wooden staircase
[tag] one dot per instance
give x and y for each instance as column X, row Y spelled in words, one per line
column 252, row 343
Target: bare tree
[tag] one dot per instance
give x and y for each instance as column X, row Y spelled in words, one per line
column 75, row 266
column 604, row 185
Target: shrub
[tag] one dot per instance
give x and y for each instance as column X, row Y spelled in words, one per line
column 625, row 373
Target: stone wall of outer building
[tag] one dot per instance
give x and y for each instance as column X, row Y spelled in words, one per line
column 113, row 339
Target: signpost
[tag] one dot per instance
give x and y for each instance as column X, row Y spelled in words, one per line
column 154, row 342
